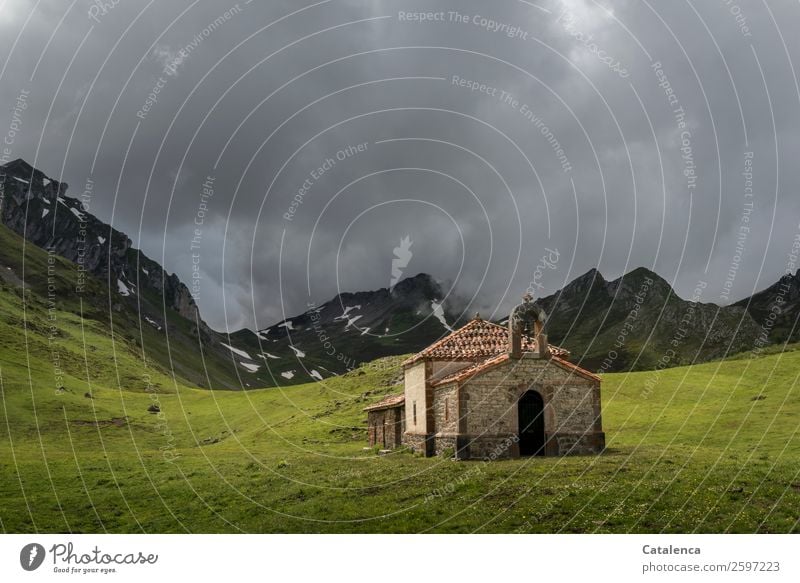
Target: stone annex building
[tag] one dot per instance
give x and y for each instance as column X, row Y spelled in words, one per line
column 487, row 391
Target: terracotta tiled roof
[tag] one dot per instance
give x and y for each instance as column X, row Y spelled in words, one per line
column 387, row 402
column 477, row 340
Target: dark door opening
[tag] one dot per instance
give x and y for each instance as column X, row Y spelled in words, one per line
column 398, row 430
column 531, row 424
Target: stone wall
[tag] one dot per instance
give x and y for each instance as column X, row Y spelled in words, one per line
column 573, row 406
column 445, row 444
column 442, row 368
column 487, row 447
column 571, row 413
column 416, row 442
column 445, row 409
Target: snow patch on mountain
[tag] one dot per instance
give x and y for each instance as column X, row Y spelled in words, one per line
column 241, row 353
column 347, row 311
column 250, row 367
column 350, row 321
column 438, row 312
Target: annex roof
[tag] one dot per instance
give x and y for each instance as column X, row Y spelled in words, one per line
column 388, row 402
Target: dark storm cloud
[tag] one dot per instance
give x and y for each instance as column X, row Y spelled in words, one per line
column 622, row 142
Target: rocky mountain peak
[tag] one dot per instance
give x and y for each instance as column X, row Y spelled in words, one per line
column 36, row 207
column 585, row 283
column 20, row 181
column 421, row 285
column 639, row 282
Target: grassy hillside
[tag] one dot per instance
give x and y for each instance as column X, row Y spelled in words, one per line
column 169, row 341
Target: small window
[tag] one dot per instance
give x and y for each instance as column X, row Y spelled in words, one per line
column 415, row 412
column 447, row 409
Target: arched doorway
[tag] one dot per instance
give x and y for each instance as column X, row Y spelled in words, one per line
column 531, row 424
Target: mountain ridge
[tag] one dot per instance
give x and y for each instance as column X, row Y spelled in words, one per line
column 140, row 296
column 637, row 321
column 633, row 322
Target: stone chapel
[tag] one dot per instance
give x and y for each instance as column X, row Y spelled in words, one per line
column 488, row 391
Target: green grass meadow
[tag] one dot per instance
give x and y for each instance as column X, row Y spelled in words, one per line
column 699, row 455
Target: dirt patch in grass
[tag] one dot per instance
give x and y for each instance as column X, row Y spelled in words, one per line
column 114, row 421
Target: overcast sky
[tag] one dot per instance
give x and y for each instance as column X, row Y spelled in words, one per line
column 616, row 134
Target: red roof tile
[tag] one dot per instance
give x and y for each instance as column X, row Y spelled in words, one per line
column 477, row 340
